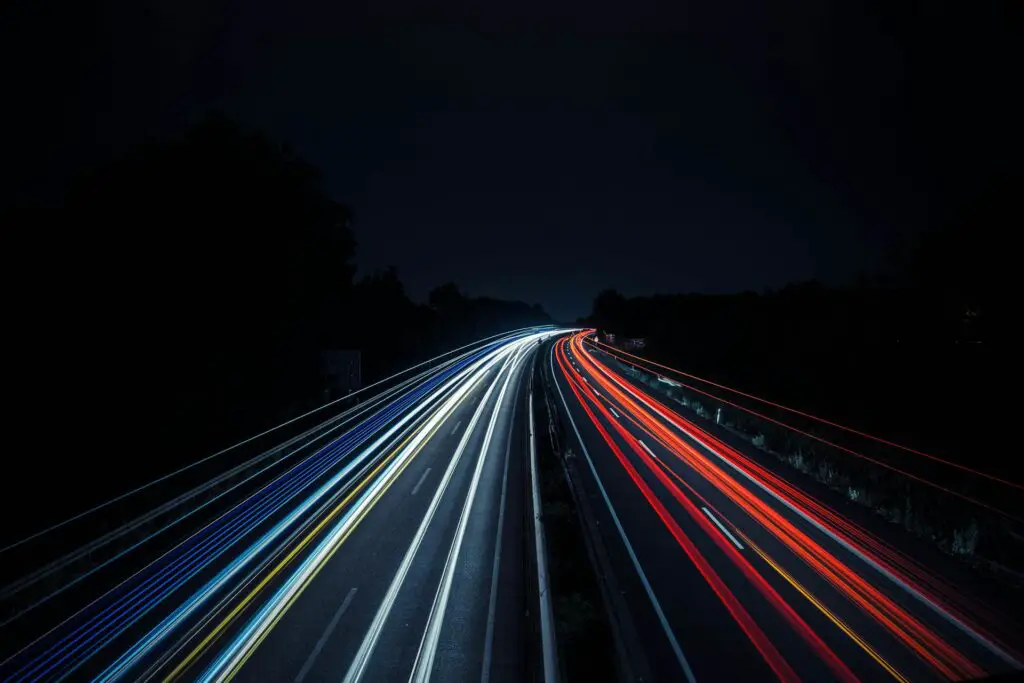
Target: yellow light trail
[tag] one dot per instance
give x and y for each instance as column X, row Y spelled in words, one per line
column 230, row 618
column 825, row 610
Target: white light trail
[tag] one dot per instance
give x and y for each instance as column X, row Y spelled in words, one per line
column 236, row 653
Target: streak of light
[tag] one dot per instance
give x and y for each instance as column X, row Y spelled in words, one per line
column 903, row 625
column 757, row 637
column 826, row 611
column 424, row 662
column 616, row 352
column 235, row 655
column 146, row 644
column 799, row 587
column 677, row 650
column 357, row 668
column 176, row 566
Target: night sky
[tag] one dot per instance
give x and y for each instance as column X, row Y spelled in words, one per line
column 544, row 151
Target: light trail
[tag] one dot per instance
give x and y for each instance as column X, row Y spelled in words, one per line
column 619, row 353
column 424, row 662
column 901, row 572
column 203, row 595
column 899, row 622
column 63, row 649
column 856, row 454
column 184, row 564
column 666, row 628
column 90, row 548
column 763, row 644
column 170, row 475
column 175, row 566
column 789, row 579
column 233, row 656
column 360, row 663
column 842, row 625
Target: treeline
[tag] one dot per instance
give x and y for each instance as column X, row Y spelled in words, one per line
column 914, row 352
column 957, row 526
column 181, row 297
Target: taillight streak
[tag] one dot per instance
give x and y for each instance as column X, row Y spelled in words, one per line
column 900, row 623
column 771, row 655
column 799, row 625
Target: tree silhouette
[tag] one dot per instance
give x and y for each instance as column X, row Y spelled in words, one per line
column 199, row 276
column 446, row 297
column 179, row 300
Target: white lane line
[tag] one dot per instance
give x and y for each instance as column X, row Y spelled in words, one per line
column 722, row 528
column 547, row 618
column 424, row 664
column 613, row 412
column 304, row 671
column 420, row 482
column 261, row 620
column 268, row 615
column 662, row 619
column 485, row 670
column 706, row 511
column 359, row 664
column 456, row 427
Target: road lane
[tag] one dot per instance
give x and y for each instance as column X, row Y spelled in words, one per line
column 841, row 598
column 424, row 512
column 429, row 610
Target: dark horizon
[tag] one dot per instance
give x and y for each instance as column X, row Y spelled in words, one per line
column 733, row 147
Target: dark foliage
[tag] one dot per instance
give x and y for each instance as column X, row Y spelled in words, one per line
column 899, row 353
column 180, row 297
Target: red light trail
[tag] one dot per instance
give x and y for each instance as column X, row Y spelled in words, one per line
column 652, row 417
column 619, row 353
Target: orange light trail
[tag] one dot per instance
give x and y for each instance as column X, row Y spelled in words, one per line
column 618, row 353
column 900, row 623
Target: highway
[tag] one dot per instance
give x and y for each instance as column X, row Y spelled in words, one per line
column 397, row 540
column 728, row 572
column 396, row 548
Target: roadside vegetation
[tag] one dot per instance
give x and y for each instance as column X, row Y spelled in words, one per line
column 977, row 536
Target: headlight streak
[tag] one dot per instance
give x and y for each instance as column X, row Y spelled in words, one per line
column 359, row 481
column 201, row 596
column 507, row 335
column 424, row 663
column 180, row 564
column 357, row 668
column 256, row 571
column 90, row 547
column 235, row 654
column 340, row 420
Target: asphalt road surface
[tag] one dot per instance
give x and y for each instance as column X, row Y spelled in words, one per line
column 728, row 573
column 397, row 548
column 397, row 541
